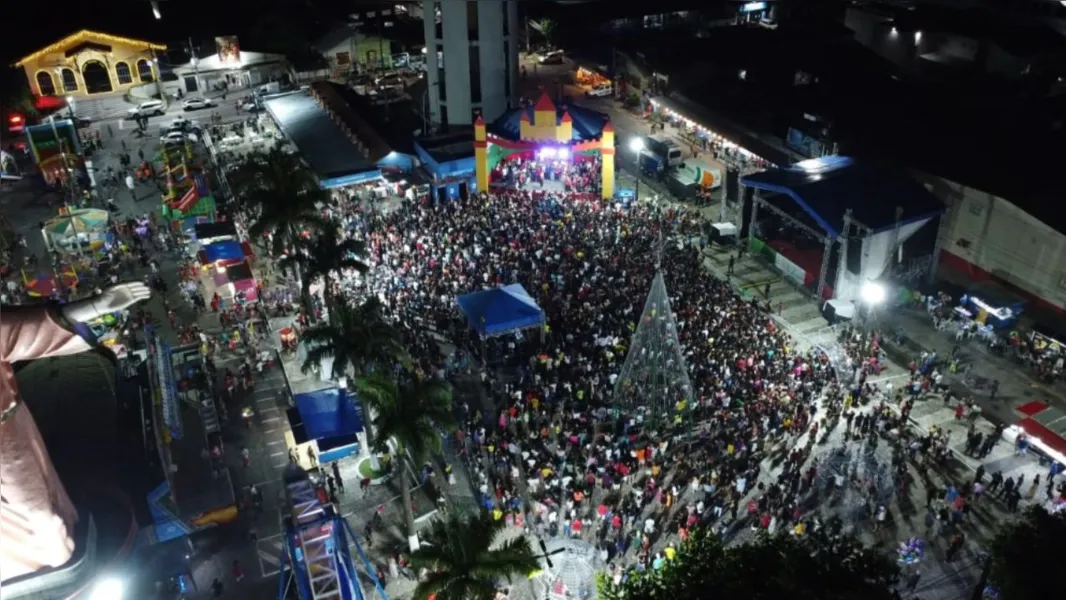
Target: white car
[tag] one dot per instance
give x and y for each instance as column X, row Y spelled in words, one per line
column 196, row 104
column 177, row 137
column 602, row 90
column 144, row 109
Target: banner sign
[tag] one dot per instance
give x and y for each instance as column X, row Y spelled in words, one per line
column 168, row 390
column 789, row 269
column 229, row 51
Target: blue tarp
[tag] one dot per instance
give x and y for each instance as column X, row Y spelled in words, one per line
column 498, row 311
column 223, row 251
column 587, row 124
column 826, row 187
column 329, row 413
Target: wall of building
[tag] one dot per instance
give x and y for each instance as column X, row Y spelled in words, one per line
column 988, row 237
column 471, row 69
column 56, row 62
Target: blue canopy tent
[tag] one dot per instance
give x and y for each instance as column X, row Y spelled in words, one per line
column 228, row 250
column 331, row 418
column 501, row 310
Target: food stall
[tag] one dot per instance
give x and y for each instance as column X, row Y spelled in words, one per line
column 236, row 282
column 76, row 232
column 209, row 233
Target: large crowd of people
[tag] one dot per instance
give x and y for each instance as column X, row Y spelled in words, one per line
column 543, row 441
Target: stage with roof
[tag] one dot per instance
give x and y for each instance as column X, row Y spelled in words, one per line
column 872, row 219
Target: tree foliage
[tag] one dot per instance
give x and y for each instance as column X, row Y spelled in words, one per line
column 410, row 411
column 770, row 568
column 285, row 193
column 1024, row 552
column 467, row 558
column 356, row 338
column 323, row 254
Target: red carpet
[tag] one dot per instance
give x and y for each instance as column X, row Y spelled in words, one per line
column 1030, row 409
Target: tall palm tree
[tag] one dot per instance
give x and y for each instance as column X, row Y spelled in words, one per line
column 411, row 413
column 466, row 558
column 322, row 255
column 285, row 193
column 357, row 338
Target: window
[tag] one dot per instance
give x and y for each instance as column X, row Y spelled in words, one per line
column 440, row 56
column 507, row 70
column 442, row 90
column 438, row 27
column 45, row 85
column 506, row 21
column 70, row 82
column 122, row 71
column 344, row 58
column 444, row 117
column 475, row 74
column 471, row 20
column 144, row 71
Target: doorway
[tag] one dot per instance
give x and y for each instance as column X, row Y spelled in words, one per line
column 97, row 79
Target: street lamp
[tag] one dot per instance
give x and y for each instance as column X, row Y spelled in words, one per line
column 70, row 105
column 155, row 10
column 108, row 588
column 636, row 145
column 872, row 293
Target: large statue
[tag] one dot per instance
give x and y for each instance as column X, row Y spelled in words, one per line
column 36, row 516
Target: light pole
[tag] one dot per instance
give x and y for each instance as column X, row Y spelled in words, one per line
column 636, row 145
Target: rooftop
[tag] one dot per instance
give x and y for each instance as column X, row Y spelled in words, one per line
column 213, row 62
column 827, row 187
column 309, row 126
column 449, row 147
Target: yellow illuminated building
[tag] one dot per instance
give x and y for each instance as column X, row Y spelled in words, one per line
column 89, row 63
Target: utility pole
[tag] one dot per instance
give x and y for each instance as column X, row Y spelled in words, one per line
column 158, row 79
column 196, row 66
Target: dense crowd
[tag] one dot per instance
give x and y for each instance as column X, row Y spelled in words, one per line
column 549, row 449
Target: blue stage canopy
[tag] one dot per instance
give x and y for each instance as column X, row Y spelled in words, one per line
column 501, row 310
column 328, row 413
column 223, row 251
column 826, row 187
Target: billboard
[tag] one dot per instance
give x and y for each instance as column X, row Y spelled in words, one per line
column 229, row 50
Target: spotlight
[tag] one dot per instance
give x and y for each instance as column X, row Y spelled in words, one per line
column 636, row 144
column 873, row 293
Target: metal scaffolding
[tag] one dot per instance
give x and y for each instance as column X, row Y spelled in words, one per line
column 316, row 556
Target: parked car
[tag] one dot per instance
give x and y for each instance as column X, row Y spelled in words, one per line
column 177, row 137
column 602, row 90
column 391, row 81
column 252, row 106
column 196, row 104
column 554, row 57
column 149, row 108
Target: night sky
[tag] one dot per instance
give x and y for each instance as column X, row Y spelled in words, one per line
column 131, row 18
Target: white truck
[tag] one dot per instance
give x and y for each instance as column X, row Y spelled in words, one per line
column 698, row 173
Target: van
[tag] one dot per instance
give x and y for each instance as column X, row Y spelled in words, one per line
column 148, row 108
column 665, row 148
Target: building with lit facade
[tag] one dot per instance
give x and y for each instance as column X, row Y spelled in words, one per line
column 91, row 63
column 471, row 60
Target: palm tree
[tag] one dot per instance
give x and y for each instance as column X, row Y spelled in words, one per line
column 286, row 194
column 356, row 338
column 326, row 253
column 466, row 558
column 410, row 413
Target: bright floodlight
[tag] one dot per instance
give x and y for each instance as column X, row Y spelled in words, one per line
column 108, row 588
column 872, row 293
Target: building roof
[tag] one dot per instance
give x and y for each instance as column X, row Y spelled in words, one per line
column 83, row 36
column 212, row 62
column 826, row 187
column 335, row 37
column 448, row 147
column 314, row 133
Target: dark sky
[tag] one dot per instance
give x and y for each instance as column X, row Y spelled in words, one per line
column 25, row 27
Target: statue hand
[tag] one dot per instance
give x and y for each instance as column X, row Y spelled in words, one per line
column 116, row 297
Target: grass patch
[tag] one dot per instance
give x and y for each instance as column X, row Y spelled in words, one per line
column 366, row 469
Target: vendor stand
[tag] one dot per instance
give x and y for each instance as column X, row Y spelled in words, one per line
column 78, row 231
column 47, row 285
column 236, row 283
column 209, row 233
